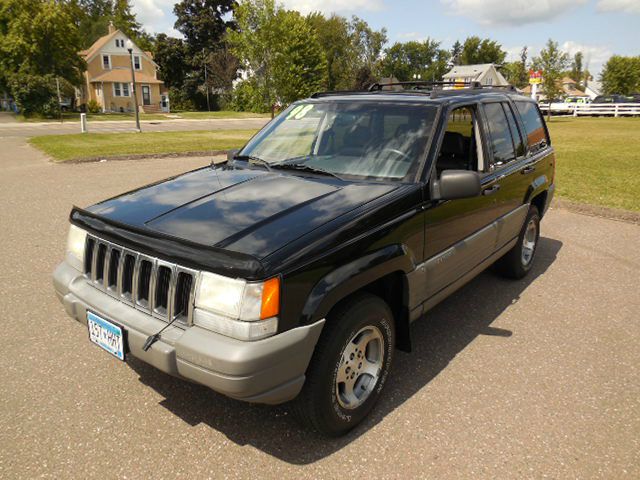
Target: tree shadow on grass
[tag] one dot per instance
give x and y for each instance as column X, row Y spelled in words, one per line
column 437, row 339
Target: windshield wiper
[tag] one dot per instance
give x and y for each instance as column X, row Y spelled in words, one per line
column 251, row 158
column 302, row 167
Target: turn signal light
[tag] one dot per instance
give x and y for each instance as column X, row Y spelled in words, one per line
column 270, row 298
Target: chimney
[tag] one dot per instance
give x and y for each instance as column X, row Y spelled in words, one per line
column 112, row 28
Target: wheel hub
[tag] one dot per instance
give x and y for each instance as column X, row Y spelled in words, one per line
column 360, row 367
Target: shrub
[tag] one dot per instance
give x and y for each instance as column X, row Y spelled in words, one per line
column 93, row 106
column 246, row 97
column 35, row 94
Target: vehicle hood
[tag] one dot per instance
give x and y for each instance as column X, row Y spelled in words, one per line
column 247, row 211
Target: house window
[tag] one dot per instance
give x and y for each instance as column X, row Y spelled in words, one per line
column 117, row 42
column 121, row 89
column 106, row 62
column 136, row 62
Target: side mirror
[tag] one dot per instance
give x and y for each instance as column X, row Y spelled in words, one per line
column 231, row 154
column 454, row 184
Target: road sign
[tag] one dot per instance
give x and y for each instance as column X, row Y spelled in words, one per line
column 535, row 77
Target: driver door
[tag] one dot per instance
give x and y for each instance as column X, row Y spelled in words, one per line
column 459, row 234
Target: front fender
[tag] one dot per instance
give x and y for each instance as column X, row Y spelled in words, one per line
column 348, row 278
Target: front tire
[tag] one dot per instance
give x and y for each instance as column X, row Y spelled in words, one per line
column 518, row 261
column 349, row 367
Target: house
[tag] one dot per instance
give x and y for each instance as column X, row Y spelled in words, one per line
column 569, row 87
column 108, row 77
column 486, row 74
column 593, row 89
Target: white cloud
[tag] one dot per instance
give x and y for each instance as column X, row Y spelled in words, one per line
column 594, row 56
column 337, row 6
column 156, row 15
column 512, row 13
column 628, row 6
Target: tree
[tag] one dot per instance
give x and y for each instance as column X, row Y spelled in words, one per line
column 92, row 18
column 279, row 49
column 621, row 75
column 404, row 60
column 552, row 61
column 577, row 71
column 337, row 43
column 38, row 43
column 476, row 51
column 203, row 22
column 456, row 51
column 517, row 73
column 172, row 58
column 368, row 43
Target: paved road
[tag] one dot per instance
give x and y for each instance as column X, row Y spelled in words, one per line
column 530, row 379
column 32, row 129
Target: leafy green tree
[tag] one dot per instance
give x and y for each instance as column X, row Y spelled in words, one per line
column 171, row 56
column 456, row 51
column 203, row 22
column 280, row 49
column 552, row 61
column 621, row 75
column 336, row 41
column 92, row 18
column 577, row 68
column 38, row 43
column 367, row 42
column 476, row 50
column 517, row 73
column 404, row 60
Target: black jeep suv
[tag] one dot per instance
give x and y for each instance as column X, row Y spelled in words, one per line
column 292, row 271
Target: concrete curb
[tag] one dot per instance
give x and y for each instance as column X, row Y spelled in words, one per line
column 597, row 211
column 141, row 156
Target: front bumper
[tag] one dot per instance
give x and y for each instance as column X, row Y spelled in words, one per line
column 268, row 371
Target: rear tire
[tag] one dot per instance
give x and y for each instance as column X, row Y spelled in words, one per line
column 349, row 367
column 518, row 261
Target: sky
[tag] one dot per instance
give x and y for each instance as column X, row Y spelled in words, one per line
column 598, row 28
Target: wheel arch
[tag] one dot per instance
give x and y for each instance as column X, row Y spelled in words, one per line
column 382, row 273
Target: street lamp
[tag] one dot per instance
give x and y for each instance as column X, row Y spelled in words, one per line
column 133, row 79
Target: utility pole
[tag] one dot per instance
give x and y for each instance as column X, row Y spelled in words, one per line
column 59, row 98
column 133, row 78
column 206, row 83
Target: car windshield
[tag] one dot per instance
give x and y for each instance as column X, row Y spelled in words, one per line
column 362, row 139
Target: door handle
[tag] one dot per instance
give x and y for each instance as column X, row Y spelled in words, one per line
column 491, row 190
column 527, row 169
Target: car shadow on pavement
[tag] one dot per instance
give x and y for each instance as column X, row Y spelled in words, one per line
column 437, row 339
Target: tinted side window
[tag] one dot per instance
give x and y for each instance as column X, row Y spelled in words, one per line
column 533, row 125
column 515, row 131
column 501, row 142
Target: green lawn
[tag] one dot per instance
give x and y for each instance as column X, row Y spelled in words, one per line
column 100, row 145
column 598, row 160
column 99, row 117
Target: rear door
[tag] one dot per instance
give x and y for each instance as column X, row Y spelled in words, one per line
column 508, row 167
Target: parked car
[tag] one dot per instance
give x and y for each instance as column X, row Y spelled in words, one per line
column 293, row 271
column 612, row 99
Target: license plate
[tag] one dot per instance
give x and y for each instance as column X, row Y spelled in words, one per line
column 106, row 335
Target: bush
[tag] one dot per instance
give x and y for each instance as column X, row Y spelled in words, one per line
column 180, row 101
column 246, row 97
column 93, row 106
column 35, row 94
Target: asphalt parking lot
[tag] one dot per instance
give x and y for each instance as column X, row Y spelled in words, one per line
column 538, row 378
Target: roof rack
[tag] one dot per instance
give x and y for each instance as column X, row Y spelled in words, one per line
column 433, row 89
column 424, row 85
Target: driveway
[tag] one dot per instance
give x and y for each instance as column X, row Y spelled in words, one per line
column 509, row 379
column 24, row 130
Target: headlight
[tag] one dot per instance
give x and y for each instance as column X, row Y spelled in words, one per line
column 237, row 308
column 75, row 247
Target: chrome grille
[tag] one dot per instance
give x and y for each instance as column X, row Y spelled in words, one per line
column 162, row 289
